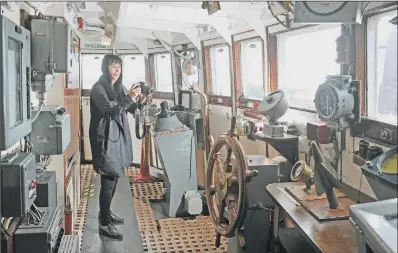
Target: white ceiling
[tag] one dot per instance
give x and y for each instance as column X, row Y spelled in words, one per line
column 135, row 25
column 173, row 23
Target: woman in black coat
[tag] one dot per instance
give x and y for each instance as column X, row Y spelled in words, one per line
column 110, row 138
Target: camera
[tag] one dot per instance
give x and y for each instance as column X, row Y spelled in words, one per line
column 145, row 89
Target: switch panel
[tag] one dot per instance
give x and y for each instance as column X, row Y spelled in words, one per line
column 18, row 182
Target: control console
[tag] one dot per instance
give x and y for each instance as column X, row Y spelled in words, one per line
column 43, row 235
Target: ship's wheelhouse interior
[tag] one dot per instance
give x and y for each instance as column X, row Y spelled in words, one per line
column 264, row 127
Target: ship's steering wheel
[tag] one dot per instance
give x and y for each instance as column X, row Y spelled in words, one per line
column 226, row 184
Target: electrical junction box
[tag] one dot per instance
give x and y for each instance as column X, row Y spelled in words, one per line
column 346, row 12
column 18, row 183
column 51, row 46
column 51, row 133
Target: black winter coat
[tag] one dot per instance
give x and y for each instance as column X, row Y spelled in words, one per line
column 109, row 131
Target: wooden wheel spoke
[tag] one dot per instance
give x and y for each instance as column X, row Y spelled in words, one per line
column 221, row 206
column 227, row 180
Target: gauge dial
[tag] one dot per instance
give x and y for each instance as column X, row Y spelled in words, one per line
column 326, row 102
column 324, row 8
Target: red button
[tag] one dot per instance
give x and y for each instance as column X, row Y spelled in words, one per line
column 34, row 184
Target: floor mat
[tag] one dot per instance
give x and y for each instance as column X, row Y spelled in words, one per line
column 123, row 206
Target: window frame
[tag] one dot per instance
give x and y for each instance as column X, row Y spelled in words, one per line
column 364, row 50
column 216, row 99
column 122, row 55
column 154, row 81
column 86, row 92
column 274, row 49
column 370, row 128
column 243, row 101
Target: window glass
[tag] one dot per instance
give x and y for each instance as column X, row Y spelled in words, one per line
column 133, row 69
column 15, row 82
column 252, row 68
column 163, row 75
column 220, row 70
column 305, row 58
column 382, row 68
column 91, row 69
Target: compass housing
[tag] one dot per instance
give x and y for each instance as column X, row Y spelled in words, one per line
column 334, row 99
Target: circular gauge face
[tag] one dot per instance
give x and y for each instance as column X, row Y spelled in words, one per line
column 326, row 102
column 298, row 172
column 324, row 8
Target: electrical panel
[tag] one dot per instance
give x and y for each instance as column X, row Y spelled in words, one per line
column 51, row 132
column 42, row 236
column 15, row 111
column 18, row 183
column 328, row 12
column 51, row 46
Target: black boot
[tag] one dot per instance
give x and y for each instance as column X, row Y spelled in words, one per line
column 110, row 231
column 114, row 219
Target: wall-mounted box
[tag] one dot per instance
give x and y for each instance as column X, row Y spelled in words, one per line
column 51, row 46
column 18, row 184
column 51, row 131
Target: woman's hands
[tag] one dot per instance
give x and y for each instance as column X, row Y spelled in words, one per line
column 135, row 92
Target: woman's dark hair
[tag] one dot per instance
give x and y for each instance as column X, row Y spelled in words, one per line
column 110, row 59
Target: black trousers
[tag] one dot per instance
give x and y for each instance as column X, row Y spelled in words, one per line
column 108, row 188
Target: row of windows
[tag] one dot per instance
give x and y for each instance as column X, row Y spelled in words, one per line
column 133, row 70
column 306, row 56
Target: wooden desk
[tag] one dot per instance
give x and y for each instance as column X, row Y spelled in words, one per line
column 325, row 237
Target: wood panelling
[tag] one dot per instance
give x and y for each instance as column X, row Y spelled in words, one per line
column 273, row 57
column 236, row 52
column 72, row 99
column 200, row 166
column 360, row 62
column 72, row 105
column 208, row 70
